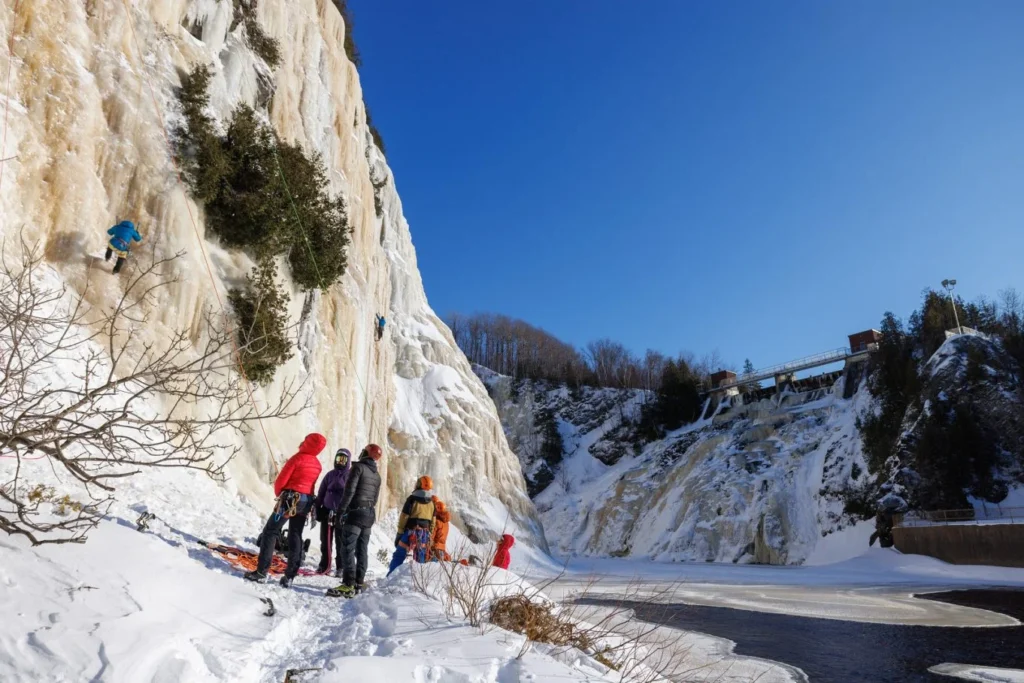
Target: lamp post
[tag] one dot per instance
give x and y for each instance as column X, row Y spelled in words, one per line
column 949, row 285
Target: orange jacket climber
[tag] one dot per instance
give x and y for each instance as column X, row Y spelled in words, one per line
column 439, row 542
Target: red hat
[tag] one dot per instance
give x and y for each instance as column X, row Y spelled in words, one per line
column 372, row 451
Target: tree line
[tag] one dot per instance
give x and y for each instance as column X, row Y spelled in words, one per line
column 518, row 349
column 955, row 452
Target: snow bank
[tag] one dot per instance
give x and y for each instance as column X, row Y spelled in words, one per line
column 980, row 674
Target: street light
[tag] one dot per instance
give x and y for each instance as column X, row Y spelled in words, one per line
column 949, row 285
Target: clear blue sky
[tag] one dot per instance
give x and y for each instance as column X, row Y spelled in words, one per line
column 760, row 178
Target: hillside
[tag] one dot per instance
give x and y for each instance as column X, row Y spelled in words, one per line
column 772, row 481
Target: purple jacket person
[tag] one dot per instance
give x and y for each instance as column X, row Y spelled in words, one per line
column 333, row 485
column 328, row 498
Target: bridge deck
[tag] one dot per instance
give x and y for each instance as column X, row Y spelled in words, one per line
column 817, row 360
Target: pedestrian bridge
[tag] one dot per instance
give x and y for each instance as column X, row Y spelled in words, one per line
column 784, row 370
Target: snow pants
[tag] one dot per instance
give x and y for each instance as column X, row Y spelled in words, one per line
column 273, row 529
column 327, row 531
column 415, row 541
column 121, row 256
column 352, row 557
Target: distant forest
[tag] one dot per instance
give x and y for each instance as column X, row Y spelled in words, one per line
column 518, row 349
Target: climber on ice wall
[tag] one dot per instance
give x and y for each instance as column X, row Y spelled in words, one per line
column 380, row 327
column 121, row 237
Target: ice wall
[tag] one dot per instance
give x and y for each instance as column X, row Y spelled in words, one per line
column 763, row 482
column 91, row 101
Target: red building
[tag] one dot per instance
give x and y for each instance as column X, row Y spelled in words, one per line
column 861, row 340
column 720, row 377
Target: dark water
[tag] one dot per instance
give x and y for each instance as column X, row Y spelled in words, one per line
column 834, row 651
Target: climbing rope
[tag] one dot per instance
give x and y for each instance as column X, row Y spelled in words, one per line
column 312, row 257
column 7, row 89
column 366, row 404
column 195, row 229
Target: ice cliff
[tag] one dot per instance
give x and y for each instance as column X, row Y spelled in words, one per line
column 762, row 482
column 91, row 102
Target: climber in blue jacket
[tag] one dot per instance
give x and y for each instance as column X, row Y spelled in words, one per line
column 121, row 237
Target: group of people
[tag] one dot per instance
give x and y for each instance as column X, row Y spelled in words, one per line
column 345, row 505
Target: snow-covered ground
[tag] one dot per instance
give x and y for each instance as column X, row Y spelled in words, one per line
column 979, row 674
column 137, row 606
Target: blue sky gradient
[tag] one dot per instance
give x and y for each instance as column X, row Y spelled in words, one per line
column 756, row 178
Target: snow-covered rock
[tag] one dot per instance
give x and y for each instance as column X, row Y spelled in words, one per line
column 91, row 103
column 762, row 482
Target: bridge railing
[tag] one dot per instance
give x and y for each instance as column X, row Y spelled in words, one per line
column 988, row 513
column 792, row 366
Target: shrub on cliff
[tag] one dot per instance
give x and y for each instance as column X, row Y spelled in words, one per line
column 264, row 46
column 264, row 196
column 261, row 311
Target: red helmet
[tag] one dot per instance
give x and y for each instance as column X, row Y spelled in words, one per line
column 373, row 451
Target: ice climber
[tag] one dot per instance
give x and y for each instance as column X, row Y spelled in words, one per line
column 415, row 525
column 439, row 539
column 328, row 499
column 121, row 237
column 295, row 487
column 357, row 512
column 380, row 327
column 502, row 556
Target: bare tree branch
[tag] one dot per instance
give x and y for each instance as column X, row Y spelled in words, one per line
column 102, row 396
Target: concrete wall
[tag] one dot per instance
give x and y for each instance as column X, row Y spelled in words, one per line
column 996, row 544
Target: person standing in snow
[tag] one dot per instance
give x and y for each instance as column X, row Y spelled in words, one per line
column 502, row 556
column 328, row 499
column 415, row 525
column 439, row 539
column 380, row 327
column 121, row 237
column 294, row 486
column 357, row 511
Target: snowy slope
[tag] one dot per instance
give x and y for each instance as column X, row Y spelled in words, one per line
column 154, row 607
column 754, row 483
column 91, row 101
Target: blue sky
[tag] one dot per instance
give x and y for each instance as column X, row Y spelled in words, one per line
column 757, row 178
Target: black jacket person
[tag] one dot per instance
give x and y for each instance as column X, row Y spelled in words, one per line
column 358, row 510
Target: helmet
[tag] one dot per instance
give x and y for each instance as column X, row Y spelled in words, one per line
column 342, row 457
column 425, row 483
column 372, row 451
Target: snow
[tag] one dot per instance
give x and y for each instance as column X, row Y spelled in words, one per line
column 754, row 483
column 129, row 606
column 876, row 587
column 980, row 674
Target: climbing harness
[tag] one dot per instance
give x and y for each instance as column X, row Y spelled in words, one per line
column 287, row 505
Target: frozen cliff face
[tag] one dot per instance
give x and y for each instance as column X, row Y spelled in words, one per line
column 757, row 483
column 91, row 101
column 971, row 411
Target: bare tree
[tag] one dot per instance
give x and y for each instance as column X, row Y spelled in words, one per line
column 101, row 396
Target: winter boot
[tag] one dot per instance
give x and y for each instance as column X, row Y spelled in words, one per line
column 342, row 591
column 286, row 581
column 255, row 576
